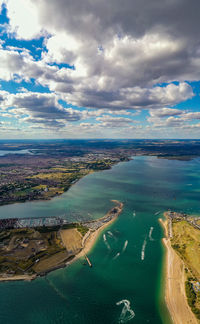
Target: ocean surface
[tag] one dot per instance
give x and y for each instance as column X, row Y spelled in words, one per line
column 125, row 284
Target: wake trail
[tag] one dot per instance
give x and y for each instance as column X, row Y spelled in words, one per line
column 158, row 212
column 143, row 249
column 111, row 234
column 58, row 292
column 106, row 242
column 116, row 256
column 127, row 313
column 150, row 234
column 125, row 246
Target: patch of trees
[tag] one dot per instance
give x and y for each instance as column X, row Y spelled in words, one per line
column 192, row 298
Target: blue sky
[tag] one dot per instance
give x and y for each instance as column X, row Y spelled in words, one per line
column 76, row 70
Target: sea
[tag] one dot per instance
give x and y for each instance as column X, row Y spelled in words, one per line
column 126, row 282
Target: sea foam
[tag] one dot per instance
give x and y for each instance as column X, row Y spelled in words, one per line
column 127, row 313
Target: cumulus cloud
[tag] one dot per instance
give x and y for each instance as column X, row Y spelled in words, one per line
column 121, row 54
column 109, row 121
column 40, row 108
column 165, row 112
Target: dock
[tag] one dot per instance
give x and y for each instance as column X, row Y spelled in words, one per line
column 88, row 261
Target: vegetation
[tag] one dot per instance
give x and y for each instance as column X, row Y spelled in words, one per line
column 193, row 298
column 46, row 183
column 22, row 249
column 186, row 241
column 82, row 229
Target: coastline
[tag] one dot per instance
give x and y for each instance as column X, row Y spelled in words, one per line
column 19, row 278
column 174, row 277
column 88, row 241
column 56, row 194
column 92, row 237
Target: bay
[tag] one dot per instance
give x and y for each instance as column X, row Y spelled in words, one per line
column 130, row 271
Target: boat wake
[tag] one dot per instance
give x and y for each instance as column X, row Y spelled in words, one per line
column 111, row 234
column 116, row 256
column 106, row 242
column 134, row 214
column 158, row 212
column 57, row 291
column 127, row 313
column 143, row 249
column 125, row 246
column 150, row 234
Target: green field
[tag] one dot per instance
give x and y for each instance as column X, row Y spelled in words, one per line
column 186, row 241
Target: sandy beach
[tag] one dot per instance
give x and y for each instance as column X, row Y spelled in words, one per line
column 18, row 278
column 175, row 285
column 91, row 239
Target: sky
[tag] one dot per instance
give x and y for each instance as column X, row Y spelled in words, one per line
column 99, row 69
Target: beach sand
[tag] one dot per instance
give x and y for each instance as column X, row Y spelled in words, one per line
column 91, row 239
column 18, row 277
column 175, row 296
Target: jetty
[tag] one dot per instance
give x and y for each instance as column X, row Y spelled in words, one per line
column 88, row 261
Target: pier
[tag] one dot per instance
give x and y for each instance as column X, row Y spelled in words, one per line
column 88, row 261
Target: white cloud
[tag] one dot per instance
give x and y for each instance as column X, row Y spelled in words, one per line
column 120, row 54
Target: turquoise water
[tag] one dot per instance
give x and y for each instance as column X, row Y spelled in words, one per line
column 82, row 295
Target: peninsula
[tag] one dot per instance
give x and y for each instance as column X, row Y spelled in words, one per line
column 182, row 282
column 28, row 252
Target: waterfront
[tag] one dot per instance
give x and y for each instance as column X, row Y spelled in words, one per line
column 79, row 294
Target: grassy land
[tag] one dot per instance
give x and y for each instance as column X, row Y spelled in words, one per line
column 35, row 250
column 48, row 182
column 186, row 241
column 22, row 249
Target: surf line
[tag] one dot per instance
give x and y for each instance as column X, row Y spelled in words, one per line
column 127, row 313
column 143, row 249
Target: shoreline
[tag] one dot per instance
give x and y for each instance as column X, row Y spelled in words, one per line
column 88, row 241
column 174, row 283
column 40, row 199
column 92, row 237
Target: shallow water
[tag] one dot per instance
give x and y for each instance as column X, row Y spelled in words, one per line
column 121, row 286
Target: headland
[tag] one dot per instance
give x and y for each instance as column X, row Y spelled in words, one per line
column 29, row 252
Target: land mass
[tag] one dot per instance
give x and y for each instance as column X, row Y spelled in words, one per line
column 26, row 253
column 182, row 284
column 32, row 169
